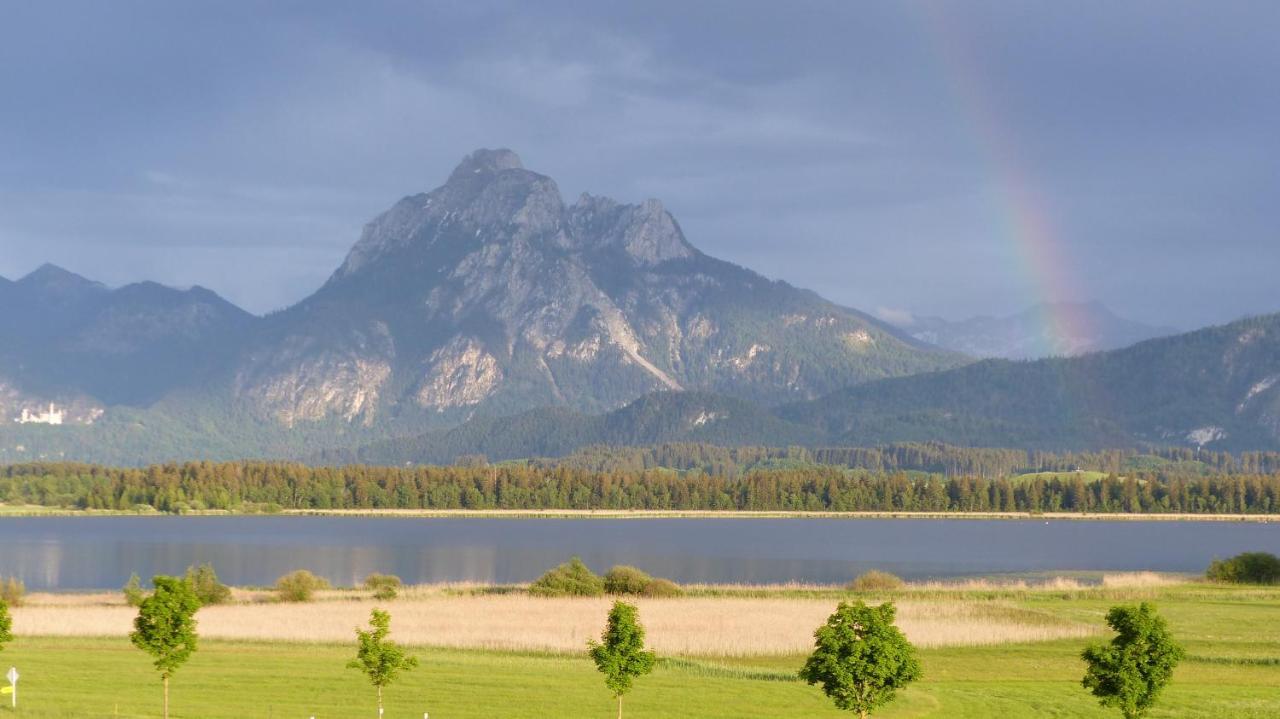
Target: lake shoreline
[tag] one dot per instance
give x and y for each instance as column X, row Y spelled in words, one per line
column 41, row 511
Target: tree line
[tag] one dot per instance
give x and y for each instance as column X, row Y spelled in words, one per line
column 930, row 457
column 266, row 486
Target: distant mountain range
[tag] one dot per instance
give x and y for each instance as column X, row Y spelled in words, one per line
column 487, row 296
column 1217, row 387
column 1061, row 329
column 489, row 317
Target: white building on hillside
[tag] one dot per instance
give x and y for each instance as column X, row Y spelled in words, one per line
column 53, row 416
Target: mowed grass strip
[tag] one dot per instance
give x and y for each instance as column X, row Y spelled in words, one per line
column 80, row 677
column 70, row 677
column 692, row 627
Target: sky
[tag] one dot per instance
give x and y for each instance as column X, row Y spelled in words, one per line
column 904, row 158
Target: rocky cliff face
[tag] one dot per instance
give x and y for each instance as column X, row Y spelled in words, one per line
column 490, row 293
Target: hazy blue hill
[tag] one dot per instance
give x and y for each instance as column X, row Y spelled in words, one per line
column 1216, row 386
column 1060, row 329
column 63, row 335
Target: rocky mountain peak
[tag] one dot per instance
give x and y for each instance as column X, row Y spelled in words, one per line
column 54, row 279
column 646, row 233
column 485, row 161
column 488, row 199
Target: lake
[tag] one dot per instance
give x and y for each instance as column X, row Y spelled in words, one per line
column 101, row 552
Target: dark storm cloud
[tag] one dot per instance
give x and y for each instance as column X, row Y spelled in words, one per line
column 847, row 147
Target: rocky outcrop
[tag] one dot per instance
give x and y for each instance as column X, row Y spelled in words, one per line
column 497, row 295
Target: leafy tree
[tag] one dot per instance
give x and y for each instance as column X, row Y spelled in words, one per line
column 6, row 624
column 620, row 654
column 12, row 591
column 875, row 580
column 299, row 586
column 379, row 658
column 204, row 581
column 385, row 586
column 165, row 627
column 624, row 579
column 1246, row 568
column 133, row 593
column 861, row 658
column 660, row 587
column 571, row 579
column 1130, row 671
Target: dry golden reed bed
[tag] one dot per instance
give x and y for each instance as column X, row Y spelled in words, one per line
column 695, row 626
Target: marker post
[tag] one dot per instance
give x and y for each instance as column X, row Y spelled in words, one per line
column 12, row 676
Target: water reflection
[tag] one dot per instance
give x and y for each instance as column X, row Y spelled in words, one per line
column 101, row 552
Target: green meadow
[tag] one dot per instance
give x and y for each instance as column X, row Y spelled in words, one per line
column 1232, row 638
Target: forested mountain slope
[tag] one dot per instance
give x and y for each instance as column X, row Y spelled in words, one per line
column 1218, row 387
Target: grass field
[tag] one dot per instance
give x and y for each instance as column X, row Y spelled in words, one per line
column 1231, row 634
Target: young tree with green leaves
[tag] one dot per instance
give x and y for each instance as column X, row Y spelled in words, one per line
column 1129, row 672
column 133, row 593
column 379, row 658
column 6, row 625
column 620, row 654
column 165, row 627
column 861, row 658
column 204, row 582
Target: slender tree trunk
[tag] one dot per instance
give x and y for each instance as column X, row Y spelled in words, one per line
column 166, row 696
column 619, row 706
column 379, row 702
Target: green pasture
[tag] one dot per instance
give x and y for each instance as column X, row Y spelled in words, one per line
column 1233, row 670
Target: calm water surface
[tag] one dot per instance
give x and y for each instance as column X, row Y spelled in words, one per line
column 101, row 552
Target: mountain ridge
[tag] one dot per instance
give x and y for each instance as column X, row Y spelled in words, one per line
column 488, row 295
column 1048, row 329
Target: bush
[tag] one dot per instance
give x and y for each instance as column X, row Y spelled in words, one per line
column 876, row 581
column 299, row 586
column 1246, row 568
column 571, row 579
column 625, row 580
column 204, row 582
column 133, row 594
column 662, row 588
column 12, row 590
column 384, row 586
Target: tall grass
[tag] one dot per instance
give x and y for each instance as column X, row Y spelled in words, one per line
column 690, row 627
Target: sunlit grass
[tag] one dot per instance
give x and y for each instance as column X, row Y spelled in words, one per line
column 1231, row 636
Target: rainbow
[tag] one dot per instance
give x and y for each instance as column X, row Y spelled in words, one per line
column 1025, row 216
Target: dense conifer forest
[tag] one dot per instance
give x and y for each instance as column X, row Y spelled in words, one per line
column 913, row 477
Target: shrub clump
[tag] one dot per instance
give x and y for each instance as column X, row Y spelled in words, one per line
column 876, row 581
column 384, row 586
column 1246, row 568
column 623, row 579
column 299, row 586
column 662, row 588
column 12, row 591
column 133, row 592
column 204, row 582
column 571, row 579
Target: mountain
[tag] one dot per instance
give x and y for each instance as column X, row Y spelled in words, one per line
column 489, row 295
column 75, row 343
column 1060, row 329
column 1218, row 387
